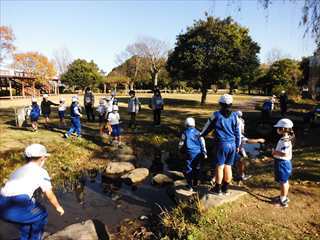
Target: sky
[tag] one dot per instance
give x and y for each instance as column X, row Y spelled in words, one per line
column 101, row 30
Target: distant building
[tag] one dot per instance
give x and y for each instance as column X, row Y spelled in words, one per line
column 314, row 75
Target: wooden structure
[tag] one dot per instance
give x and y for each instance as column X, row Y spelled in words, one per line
column 22, row 84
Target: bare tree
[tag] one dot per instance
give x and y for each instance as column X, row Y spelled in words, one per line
column 275, row 54
column 62, row 59
column 6, row 42
column 152, row 53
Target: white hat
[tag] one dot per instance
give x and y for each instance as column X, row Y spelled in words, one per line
column 74, row 98
column 36, row 150
column 62, row 99
column 113, row 93
column 284, row 123
column 102, row 101
column 45, row 95
column 115, row 108
column 226, row 98
column 239, row 113
column 283, row 91
column 190, row 122
column 33, row 99
column 108, row 98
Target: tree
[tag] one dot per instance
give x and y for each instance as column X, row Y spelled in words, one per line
column 284, row 75
column 154, row 53
column 62, row 59
column 213, row 50
column 6, row 42
column 116, row 78
column 35, row 64
column 275, row 54
column 82, row 74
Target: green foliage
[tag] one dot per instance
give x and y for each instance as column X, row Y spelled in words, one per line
column 213, row 50
column 284, row 74
column 82, row 74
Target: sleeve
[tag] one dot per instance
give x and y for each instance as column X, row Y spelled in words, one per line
column 203, row 145
column 286, row 148
column 77, row 110
column 182, row 139
column 45, row 181
column 208, row 127
column 237, row 132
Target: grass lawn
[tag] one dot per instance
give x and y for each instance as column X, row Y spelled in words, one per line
column 252, row 217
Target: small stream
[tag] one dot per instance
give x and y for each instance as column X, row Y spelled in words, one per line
column 108, row 200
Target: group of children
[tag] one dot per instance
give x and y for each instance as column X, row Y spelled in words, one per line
column 229, row 142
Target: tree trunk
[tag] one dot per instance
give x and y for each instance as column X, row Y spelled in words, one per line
column 155, row 78
column 204, row 91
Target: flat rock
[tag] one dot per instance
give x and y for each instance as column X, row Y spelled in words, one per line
column 136, row 175
column 78, row 231
column 175, row 174
column 161, row 179
column 180, row 183
column 211, row 200
column 125, row 157
column 118, row 168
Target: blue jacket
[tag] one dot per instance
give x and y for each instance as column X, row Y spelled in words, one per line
column 192, row 141
column 35, row 111
column 267, row 105
column 226, row 129
column 74, row 110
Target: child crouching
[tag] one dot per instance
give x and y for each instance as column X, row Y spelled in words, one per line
column 194, row 147
column 282, row 159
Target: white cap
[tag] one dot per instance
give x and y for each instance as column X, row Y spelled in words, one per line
column 74, row 99
column 62, row 99
column 102, row 101
column 108, row 98
column 239, row 113
column 45, row 95
column 226, row 98
column 115, row 108
column 190, row 122
column 113, row 93
column 283, row 91
column 284, row 123
column 33, row 99
column 36, row 150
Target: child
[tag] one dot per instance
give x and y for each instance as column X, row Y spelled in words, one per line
column 195, row 148
column 157, row 107
column 114, row 124
column 133, row 108
column 267, row 109
column 102, row 111
column 242, row 152
column 46, row 108
column 61, row 112
column 227, row 141
column 17, row 204
column 282, row 158
column 34, row 114
column 75, row 113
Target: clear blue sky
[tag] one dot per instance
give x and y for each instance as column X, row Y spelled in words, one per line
column 99, row 30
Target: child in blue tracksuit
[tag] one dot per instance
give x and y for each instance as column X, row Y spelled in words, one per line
column 195, row 149
column 227, row 141
column 34, row 114
column 75, row 113
column 16, row 197
column 282, row 155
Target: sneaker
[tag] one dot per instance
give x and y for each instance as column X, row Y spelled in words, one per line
column 216, row 190
column 245, row 177
column 66, row 135
column 283, row 203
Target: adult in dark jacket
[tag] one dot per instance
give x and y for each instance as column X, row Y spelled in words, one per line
column 283, row 103
column 46, row 108
column 89, row 104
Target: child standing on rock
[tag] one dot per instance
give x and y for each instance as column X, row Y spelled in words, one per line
column 102, row 111
column 282, row 155
column 34, row 114
column 195, row 150
column 114, row 124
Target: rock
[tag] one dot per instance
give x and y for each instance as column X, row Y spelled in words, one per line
column 118, row 167
column 136, row 175
column 78, row 231
column 181, row 194
column 175, row 174
column 162, row 179
column 180, row 183
column 125, row 157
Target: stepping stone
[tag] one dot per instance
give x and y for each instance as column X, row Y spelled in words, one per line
column 211, row 200
column 118, row 167
column 137, row 175
column 161, row 179
column 125, row 157
column 175, row 174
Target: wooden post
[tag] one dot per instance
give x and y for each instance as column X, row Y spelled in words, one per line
column 10, row 88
